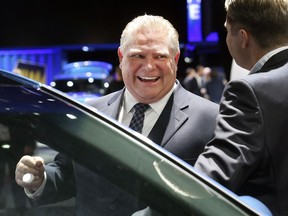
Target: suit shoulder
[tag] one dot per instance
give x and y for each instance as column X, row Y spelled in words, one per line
column 193, row 98
column 100, row 101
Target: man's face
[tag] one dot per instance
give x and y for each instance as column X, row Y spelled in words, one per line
column 148, row 67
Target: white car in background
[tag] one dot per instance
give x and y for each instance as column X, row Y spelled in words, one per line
column 83, row 80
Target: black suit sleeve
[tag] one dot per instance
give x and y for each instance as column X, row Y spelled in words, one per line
column 60, row 181
column 238, row 144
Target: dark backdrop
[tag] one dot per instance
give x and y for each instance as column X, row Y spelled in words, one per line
column 41, row 23
column 61, row 22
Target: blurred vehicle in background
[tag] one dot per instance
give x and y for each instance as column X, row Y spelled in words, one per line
column 83, row 80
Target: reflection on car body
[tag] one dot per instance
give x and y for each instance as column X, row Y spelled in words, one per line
column 101, row 146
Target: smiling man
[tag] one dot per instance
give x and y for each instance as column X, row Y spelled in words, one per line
column 176, row 119
column 148, row 54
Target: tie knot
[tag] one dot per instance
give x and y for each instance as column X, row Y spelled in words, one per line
column 141, row 107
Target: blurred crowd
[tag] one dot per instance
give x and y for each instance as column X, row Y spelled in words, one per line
column 205, row 81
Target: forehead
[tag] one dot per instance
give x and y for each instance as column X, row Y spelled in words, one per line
column 152, row 35
column 149, row 40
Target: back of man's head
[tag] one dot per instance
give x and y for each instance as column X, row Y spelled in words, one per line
column 266, row 20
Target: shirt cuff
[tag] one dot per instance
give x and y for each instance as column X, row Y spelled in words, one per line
column 35, row 195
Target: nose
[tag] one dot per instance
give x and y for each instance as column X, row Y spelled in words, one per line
column 149, row 63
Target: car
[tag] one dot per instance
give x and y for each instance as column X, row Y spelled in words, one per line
column 58, row 123
column 83, row 80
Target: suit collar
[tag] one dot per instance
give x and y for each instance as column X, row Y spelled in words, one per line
column 114, row 104
column 275, row 61
column 177, row 116
column 116, row 97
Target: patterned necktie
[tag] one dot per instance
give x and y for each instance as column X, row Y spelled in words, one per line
column 138, row 117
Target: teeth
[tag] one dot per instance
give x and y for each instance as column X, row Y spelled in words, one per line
column 149, row 78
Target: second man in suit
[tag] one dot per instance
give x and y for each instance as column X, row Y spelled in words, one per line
column 249, row 153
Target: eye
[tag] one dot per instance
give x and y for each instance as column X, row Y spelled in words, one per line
column 136, row 56
column 162, row 57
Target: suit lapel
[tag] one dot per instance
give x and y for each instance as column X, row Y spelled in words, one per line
column 114, row 105
column 177, row 117
column 158, row 130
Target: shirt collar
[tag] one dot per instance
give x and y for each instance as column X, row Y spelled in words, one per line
column 130, row 101
column 259, row 64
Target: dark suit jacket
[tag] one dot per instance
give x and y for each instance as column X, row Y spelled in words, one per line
column 190, row 125
column 249, row 154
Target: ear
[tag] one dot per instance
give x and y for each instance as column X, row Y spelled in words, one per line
column 120, row 56
column 176, row 58
column 245, row 38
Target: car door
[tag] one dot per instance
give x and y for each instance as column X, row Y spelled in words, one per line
column 96, row 148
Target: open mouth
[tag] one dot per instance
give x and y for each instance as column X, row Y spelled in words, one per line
column 148, row 79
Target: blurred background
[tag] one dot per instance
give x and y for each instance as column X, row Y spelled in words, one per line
column 39, row 38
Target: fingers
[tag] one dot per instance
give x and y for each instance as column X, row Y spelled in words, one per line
column 28, row 178
column 33, row 166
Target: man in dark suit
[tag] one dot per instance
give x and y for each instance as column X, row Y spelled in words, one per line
column 249, row 153
column 177, row 120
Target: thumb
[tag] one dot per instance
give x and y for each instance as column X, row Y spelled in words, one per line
column 39, row 163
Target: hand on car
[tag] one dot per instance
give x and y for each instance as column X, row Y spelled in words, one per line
column 33, row 165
